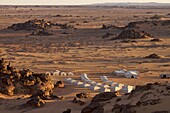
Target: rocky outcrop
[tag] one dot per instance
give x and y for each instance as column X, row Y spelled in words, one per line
column 24, row 81
column 67, row 111
column 153, row 56
column 31, row 25
column 104, row 96
column 80, row 102
column 38, row 25
column 59, row 84
column 156, row 40
column 111, row 27
column 93, row 107
column 151, row 94
column 82, row 95
column 131, row 33
column 123, row 109
column 35, row 102
column 153, row 22
column 96, row 105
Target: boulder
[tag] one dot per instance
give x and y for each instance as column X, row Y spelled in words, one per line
column 104, row 96
column 131, row 33
column 31, row 25
column 93, row 107
column 153, row 56
column 59, row 84
column 67, row 111
column 123, row 109
column 75, row 100
column 35, row 101
column 82, row 95
column 156, row 40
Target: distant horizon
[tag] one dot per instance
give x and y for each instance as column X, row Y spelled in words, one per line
column 76, row 2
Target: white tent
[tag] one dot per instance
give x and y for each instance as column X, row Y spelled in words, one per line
column 131, row 74
column 56, row 73
column 115, row 88
column 63, row 74
column 70, row 73
column 92, row 82
column 98, row 84
column 68, row 80
column 78, row 83
column 105, row 80
column 120, row 72
column 119, row 85
column 73, row 81
column 84, row 77
column 87, row 81
column 127, row 89
column 113, row 84
column 85, row 85
column 104, row 90
column 94, row 88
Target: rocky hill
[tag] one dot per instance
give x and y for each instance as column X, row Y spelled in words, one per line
column 150, row 98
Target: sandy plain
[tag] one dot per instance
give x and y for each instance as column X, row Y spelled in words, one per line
column 82, row 50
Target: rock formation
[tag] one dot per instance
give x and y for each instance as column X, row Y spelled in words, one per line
column 154, row 95
column 111, row 27
column 96, row 105
column 35, row 101
column 25, row 81
column 82, row 95
column 60, row 84
column 37, row 25
column 153, row 56
column 31, row 25
column 131, row 33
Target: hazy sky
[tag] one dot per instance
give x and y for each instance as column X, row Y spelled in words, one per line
column 69, row 2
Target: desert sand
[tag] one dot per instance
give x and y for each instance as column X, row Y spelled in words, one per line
column 83, row 49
